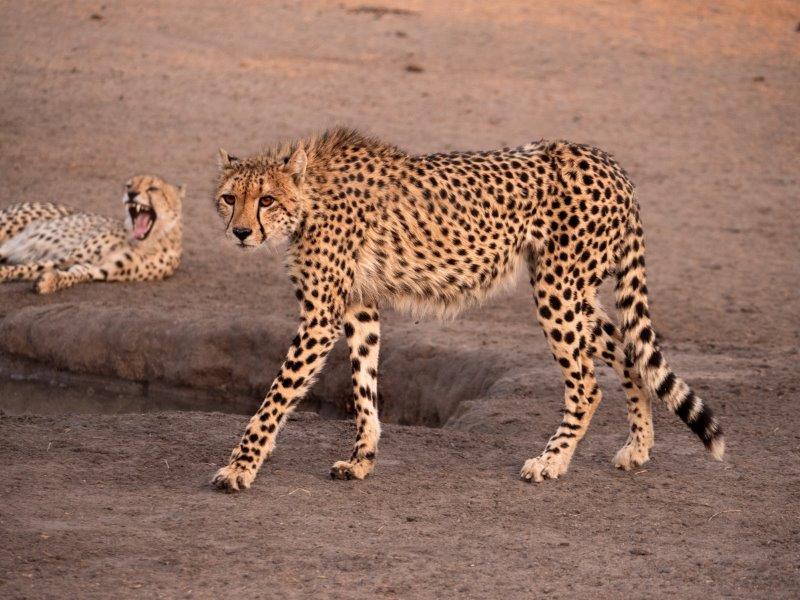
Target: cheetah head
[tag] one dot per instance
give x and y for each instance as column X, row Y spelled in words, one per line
column 260, row 199
column 152, row 206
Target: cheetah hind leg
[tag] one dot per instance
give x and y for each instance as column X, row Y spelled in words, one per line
column 607, row 345
column 566, row 328
column 23, row 272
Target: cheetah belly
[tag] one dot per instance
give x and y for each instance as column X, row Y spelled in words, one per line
column 45, row 241
column 27, row 247
column 442, row 292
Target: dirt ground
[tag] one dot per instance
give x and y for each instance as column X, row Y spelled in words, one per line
column 106, row 494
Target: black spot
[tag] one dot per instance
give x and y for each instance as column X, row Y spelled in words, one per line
column 625, row 302
column 655, row 360
column 666, row 385
column 683, row 409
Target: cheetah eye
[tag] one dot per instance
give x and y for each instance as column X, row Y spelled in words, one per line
column 152, row 188
column 229, row 199
column 266, row 201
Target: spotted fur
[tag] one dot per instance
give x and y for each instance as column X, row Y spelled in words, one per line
column 368, row 225
column 58, row 246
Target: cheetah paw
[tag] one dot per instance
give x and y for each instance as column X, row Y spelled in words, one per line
column 47, row 283
column 546, row 466
column 358, row 469
column 631, row 455
column 233, row 477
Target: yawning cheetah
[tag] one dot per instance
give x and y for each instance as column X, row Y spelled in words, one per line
column 369, row 225
column 60, row 246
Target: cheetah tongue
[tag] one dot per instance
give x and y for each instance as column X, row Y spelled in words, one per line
column 141, row 225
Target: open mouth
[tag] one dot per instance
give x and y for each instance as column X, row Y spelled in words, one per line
column 143, row 218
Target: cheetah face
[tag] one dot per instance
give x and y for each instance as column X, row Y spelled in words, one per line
column 152, row 206
column 261, row 200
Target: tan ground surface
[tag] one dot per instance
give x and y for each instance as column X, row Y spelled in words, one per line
column 698, row 102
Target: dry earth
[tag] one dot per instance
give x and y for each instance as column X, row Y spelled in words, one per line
column 698, row 101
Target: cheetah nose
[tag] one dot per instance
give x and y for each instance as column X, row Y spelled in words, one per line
column 242, row 232
column 132, row 195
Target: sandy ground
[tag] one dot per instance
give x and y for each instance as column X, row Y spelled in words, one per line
column 698, row 102
column 94, row 505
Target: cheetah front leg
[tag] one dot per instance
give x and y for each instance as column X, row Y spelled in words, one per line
column 51, row 276
column 81, row 267
column 362, row 329
column 315, row 337
column 60, row 279
column 115, row 267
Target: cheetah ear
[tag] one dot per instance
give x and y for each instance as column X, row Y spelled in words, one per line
column 296, row 164
column 225, row 159
column 182, row 191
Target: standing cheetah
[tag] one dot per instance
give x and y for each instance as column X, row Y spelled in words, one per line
column 369, row 225
column 59, row 246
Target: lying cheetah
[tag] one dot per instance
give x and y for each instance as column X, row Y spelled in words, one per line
column 59, row 246
column 369, row 225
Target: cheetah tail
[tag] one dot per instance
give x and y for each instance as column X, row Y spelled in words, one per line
column 642, row 348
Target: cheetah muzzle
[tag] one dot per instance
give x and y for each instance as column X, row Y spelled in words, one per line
column 142, row 217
